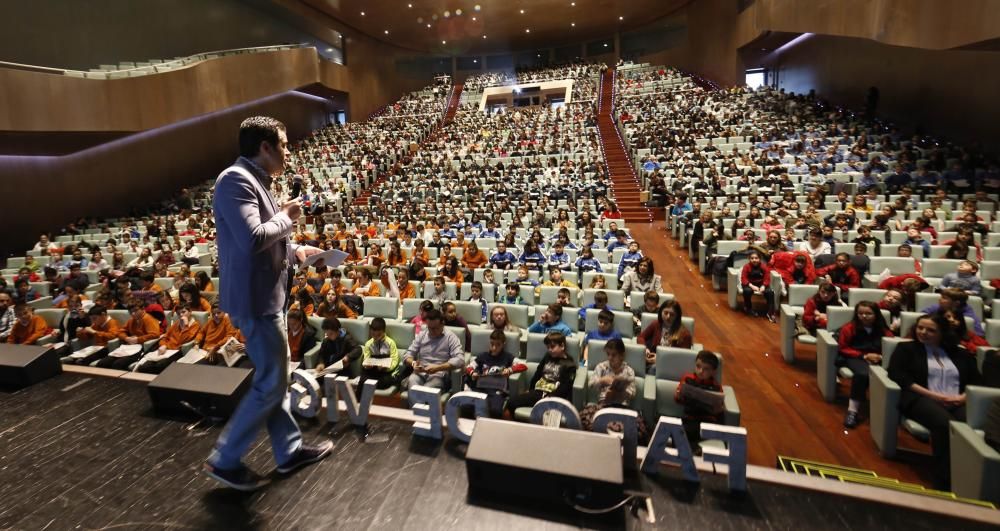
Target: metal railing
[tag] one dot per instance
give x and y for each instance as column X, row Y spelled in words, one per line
column 151, row 67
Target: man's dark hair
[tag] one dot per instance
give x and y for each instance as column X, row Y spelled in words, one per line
column 255, row 130
column 377, row 323
column 433, row 315
column 331, row 323
column 97, row 309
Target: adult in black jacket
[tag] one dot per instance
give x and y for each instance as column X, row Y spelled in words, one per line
column 932, row 373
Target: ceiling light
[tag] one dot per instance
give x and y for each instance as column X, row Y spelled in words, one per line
column 484, row 36
column 386, row 32
column 444, row 42
column 473, row 18
column 527, row 30
column 522, row 11
column 447, row 14
column 328, row 50
column 572, row 4
column 362, row 13
column 409, row 6
column 477, row 7
column 428, row 26
column 475, row 60
column 605, row 45
column 458, row 12
column 572, row 24
column 621, row 18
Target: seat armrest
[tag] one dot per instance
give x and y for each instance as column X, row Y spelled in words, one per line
column 186, row 347
column 151, row 345
column 45, row 340
column 731, row 416
column 648, row 407
column 75, row 344
column 787, row 327
column 975, row 465
column 580, row 388
column 733, row 288
column 311, row 357
column 114, row 344
column 826, row 369
column 884, row 394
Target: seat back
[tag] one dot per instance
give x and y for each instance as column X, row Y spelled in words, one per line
column 857, row 295
column 535, row 347
column 616, row 298
column 489, row 291
column 635, row 356
column 548, row 294
column 411, row 307
column 481, row 341
column 450, row 289
column 798, row 294
column 939, row 267
column 570, row 316
column 402, row 333
column 623, row 322
column 897, row 265
column 673, row 363
column 635, row 299
column 516, row 313
column 384, row 307
column 838, row 316
column 52, row 316
column 472, row 312
column 611, row 279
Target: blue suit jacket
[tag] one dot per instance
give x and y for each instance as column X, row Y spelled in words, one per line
column 254, row 248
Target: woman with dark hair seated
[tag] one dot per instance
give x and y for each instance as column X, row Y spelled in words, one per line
column 860, row 346
column 932, row 373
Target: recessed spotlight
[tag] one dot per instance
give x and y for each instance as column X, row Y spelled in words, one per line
column 605, row 45
column 572, row 4
column 458, row 12
column 527, row 30
column 572, row 24
column 328, row 50
column 409, row 6
column 447, row 14
column 362, row 13
column 386, row 32
column 475, row 60
column 522, row 11
column 473, row 19
column 477, row 7
column 428, row 26
column 621, row 18
column 444, row 42
column 484, row 36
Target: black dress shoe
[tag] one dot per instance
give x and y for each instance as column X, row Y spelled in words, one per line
column 306, row 455
column 851, row 420
column 241, row 478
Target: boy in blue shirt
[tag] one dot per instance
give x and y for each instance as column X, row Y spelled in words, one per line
column 502, row 259
column 629, row 259
column 550, row 321
column 605, row 331
column 513, row 295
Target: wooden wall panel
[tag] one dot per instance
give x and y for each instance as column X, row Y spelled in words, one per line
column 33, row 101
column 111, row 179
column 929, row 24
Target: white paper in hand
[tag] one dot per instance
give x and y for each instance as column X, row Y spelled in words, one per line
column 331, row 258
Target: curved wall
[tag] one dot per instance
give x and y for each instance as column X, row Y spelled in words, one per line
column 45, row 193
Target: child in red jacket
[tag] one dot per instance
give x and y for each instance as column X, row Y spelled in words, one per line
column 756, row 279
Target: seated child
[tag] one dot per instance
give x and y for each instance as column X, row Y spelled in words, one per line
column 476, row 295
column 513, row 295
column 605, row 331
column 553, row 377
column 697, row 411
column 380, row 358
column 489, row 371
column 965, row 278
column 28, row 327
column 338, row 345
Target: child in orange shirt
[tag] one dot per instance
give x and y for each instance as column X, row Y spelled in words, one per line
column 28, row 327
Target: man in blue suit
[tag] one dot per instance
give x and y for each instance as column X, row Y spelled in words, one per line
column 255, row 255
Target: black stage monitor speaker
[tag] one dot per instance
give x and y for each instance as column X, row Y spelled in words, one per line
column 206, row 389
column 544, row 465
column 23, row 365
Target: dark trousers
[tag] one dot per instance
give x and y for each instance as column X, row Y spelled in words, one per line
column 748, row 296
column 100, row 353
column 859, row 383
column 525, row 399
column 120, row 364
column 933, row 416
column 383, row 379
column 156, row 367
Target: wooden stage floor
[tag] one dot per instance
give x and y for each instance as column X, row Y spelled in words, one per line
column 86, row 452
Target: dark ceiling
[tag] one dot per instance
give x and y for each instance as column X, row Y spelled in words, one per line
column 455, row 27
